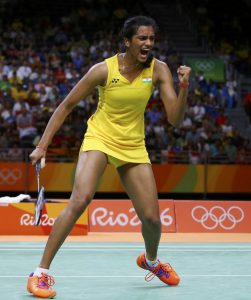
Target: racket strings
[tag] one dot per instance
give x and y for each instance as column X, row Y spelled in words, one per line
column 39, row 206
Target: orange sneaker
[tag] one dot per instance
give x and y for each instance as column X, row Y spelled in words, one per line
column 163, row 271
column 41, row 286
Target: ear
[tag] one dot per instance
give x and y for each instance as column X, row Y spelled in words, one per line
column 126, row 42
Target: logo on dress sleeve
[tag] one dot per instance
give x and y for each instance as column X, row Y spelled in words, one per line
column 147, row 80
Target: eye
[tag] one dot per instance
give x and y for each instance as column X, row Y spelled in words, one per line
column 142, row 38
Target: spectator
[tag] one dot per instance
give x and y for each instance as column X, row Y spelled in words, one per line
column 193, row 136
column 187, row 122
column 230, row 150
column 4, row 83
column 27, row 131
column 24, row 71
column 194, row 154
column 198, row 111
column 18, row 93
column 15, row 153
column 227, row 128
column 154, row 115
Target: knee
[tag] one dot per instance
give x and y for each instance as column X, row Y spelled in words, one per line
column 78, row 204
column 151, row 220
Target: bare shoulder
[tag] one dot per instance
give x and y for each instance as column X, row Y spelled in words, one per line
column 160, row 71
column 99, row 68
column 99, row 71
column 102, row 66
column 159, row 64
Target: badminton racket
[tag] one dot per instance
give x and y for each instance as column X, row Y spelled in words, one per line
column 40, row 198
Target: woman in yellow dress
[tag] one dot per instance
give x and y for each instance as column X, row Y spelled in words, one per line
column 115, row 135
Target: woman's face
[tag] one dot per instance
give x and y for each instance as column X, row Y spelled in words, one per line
column 141, row 43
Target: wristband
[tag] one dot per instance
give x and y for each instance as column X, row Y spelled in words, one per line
column 183, row 85
column 40, row 147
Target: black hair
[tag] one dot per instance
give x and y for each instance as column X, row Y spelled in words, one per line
column 130, row 28
column 131, row 25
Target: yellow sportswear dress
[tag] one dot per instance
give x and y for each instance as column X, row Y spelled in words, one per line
column 117, row 127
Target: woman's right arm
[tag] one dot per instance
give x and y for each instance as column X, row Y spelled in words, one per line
column 97, row 75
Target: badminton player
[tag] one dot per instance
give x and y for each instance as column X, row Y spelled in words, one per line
column 115, row 135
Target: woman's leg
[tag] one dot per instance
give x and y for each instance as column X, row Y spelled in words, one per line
column 139, row 183
column 90, row 168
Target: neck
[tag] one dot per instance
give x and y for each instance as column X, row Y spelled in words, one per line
column 129, row 64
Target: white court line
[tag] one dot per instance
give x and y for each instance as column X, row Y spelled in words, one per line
column 132, row 276
column 115, row 247
column 128, row 247
column 136, row 249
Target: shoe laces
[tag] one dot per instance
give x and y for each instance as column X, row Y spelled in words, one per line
column 166, row 267
column 45, row 281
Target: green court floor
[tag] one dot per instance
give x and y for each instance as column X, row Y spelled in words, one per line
column 107, row 271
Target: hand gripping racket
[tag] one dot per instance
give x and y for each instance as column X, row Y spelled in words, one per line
column 40, row 198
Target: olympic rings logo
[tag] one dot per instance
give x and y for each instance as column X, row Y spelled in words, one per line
column 205, row 65
column 10, row 176
column 218, row 216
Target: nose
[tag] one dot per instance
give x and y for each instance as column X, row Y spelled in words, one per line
column 149, row 42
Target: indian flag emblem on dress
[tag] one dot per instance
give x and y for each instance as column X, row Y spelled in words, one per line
column 147, row 80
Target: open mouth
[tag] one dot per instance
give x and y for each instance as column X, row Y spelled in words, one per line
column 144, row 52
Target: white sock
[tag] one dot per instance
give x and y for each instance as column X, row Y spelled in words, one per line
column 38, row 272
column 152, row 263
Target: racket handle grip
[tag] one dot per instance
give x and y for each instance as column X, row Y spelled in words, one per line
column 38, row 166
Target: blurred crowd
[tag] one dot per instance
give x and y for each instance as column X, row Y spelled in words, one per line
column 41, row 59
column 225, row 28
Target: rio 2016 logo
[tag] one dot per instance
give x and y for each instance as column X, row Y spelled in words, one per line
column 28, row 220
column 103, row 217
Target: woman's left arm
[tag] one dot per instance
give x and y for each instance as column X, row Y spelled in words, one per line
column 175, row 106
